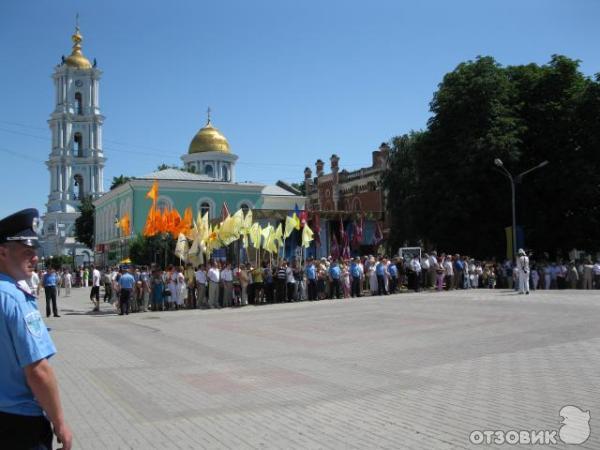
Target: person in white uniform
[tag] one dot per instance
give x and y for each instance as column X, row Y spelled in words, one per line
column 523, row 269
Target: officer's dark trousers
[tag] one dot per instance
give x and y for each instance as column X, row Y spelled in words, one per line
column 51, row 297
column 335, row 289
column 355, row 287
column 312, row 289
column 381, row 285
column 124, row 300
column 25, row 432
column 280, row 290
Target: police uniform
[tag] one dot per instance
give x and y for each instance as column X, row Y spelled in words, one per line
column 24, row 340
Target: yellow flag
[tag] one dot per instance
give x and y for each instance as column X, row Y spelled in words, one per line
column 255, row 234
column 290, row 224
column 307, row 236
column 181, row 249
column 278, row 238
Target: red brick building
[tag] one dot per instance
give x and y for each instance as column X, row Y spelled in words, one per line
column 347, row 196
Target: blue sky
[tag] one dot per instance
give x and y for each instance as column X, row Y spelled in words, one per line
column 288, row 81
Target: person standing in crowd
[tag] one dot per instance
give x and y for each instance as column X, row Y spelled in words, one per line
column 95, row 291
column 357, row 275
column 181, row 287
column 30, row 405
column 244, row 279
column 281, row 282
column 345, row 280
column 126, row 285
column 227, row 280
column 201, row 286
column 290, row 283
column 523, row 269
column 440, row 273
column 67, row 282
column 190, row 281
column 34, row 283
column 572, row 275
column 380, row 275
column 334, row 276
column 448, row 272
column 258, row 285
column 58, row 283
column 311, row 277
column 49, row 282
column 214, row 278
column 596, row 273
column 459, row 269
column 107, row 285
column 145, row 279
column 415, row 272
column 157, row 286
column 86, row 277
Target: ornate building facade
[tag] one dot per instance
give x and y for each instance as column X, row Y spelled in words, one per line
column 346, row 197
column 76, row 160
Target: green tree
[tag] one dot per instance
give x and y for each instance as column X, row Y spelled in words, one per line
column 147, row 250
column 301, row 187
column 118, row 181
column 453, row 196
column 84, row 224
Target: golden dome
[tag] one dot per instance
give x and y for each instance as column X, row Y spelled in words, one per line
column 76, row 58
column 209, row 139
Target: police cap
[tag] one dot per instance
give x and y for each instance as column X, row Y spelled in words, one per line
column 20, row 227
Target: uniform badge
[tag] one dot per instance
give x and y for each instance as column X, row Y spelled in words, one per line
column 34, row 323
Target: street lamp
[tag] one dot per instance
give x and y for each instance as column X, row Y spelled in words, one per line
column 513, row 180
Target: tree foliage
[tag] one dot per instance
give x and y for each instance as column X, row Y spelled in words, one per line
column 444, row 188
column 84, row 224
column 118, row 181
column 147, row 250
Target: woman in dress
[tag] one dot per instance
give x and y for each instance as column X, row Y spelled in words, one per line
column 372, row 277
column 180, row 287
column 346, row 280
column 170, row 280
column 157, row 291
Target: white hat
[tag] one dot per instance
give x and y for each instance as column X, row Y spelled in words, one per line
column 521, row 251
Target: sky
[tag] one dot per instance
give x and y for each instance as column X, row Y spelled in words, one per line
column 288, row 82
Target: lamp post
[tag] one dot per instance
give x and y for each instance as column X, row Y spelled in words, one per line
column 513, row 180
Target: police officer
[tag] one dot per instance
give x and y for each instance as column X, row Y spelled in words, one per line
column 29, row 397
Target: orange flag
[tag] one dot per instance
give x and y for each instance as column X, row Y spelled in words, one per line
column 125, row 225
column 153, row 192
column 186, row 223
column 150, row 226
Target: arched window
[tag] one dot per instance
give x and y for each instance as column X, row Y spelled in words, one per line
column 225, row 173
column 209, row 171
column 78, row 104
column 163, row 202
column 204, row 208
column 192, row 168
column 357, row 206
column 78, row 187
column 244, row 207
column 78, row 145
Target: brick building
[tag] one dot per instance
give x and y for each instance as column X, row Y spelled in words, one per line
column 345, row 197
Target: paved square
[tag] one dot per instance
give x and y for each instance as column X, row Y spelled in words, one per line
column 415, row 371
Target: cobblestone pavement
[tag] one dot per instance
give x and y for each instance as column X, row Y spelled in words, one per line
column 415, row 371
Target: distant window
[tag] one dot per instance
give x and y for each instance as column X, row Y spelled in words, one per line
column 78, row 104
column 244, row 208
column 192, row 168
column 208, row 170
column 225, row 174
column 204, row 208
column 78, row 143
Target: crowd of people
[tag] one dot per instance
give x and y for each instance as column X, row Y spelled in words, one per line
column 219, row 284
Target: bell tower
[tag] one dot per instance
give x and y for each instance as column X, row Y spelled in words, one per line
column 76, row 161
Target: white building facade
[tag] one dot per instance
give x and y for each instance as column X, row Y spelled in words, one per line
column 76, row 161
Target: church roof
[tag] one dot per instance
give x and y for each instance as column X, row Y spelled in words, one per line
column 175, row 174
column 276, row 190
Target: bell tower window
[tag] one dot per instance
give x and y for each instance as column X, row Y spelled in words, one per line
column 78, row 104
column 78, row 187
column 225, row 174
column 78, row 145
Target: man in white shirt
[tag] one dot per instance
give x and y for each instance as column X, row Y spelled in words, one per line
column 34, row 283
column 227, row 280
column 596, row 272
column 425, row 268
column 523, row 270
column 201, row 286
column 95, row 292
column 290, row 283
column 214, row 277
column 433, row 264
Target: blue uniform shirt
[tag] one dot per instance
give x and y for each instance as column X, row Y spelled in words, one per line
column 50, row 279
column 311, row 272
column 127, row 281
column 335, row 272
column 393, row 270
column 380, row 269
column 24, row 339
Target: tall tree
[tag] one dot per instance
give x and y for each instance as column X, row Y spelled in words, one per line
column 456, row 198
column 84, row 224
